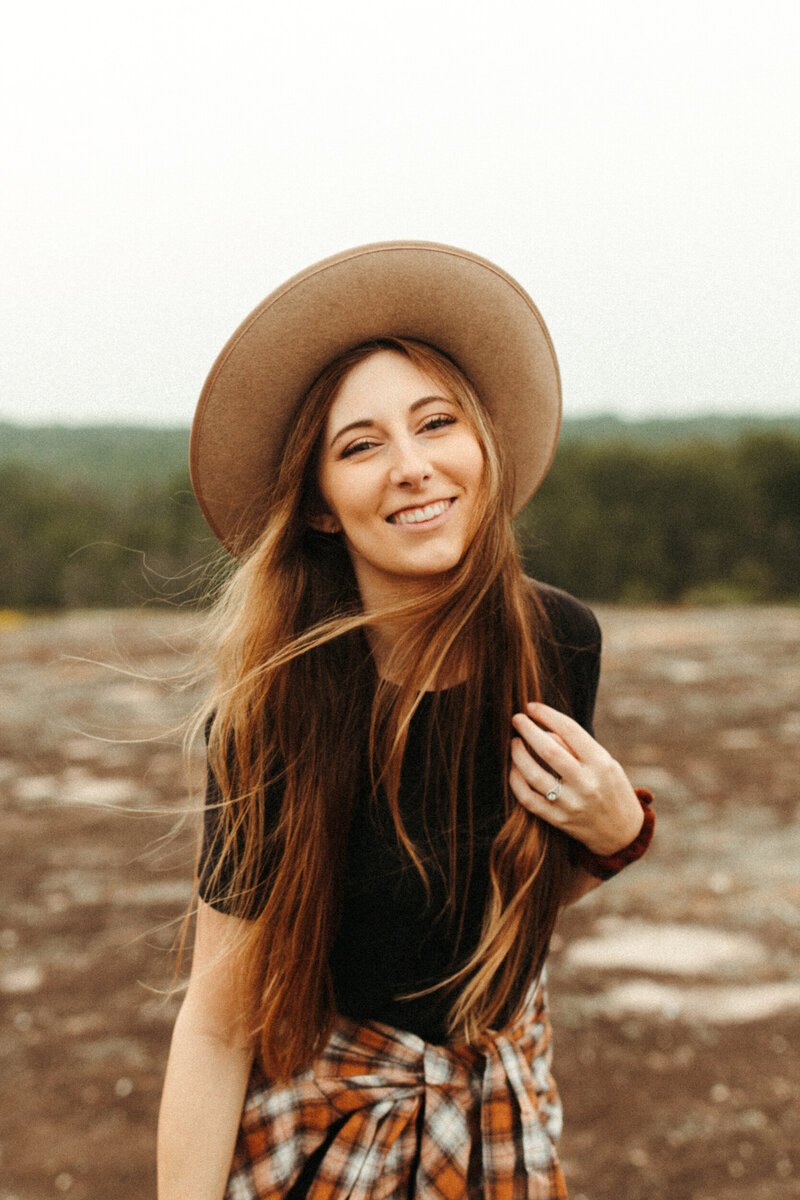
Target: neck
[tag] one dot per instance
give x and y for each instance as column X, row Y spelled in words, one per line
column 386, row 634
column 383, row 639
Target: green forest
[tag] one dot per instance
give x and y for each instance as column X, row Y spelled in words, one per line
column 703, row 511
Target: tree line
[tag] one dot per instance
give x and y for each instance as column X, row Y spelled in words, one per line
column 615, row 520
column 683, row 521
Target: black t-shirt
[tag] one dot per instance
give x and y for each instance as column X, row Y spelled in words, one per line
column 395, row 938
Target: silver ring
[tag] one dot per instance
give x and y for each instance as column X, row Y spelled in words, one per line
column 555, row 790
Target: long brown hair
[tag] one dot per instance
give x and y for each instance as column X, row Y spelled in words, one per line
column 297, row 705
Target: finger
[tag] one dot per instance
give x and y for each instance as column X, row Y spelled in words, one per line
column 532, row 801
column 534, row 774
column 559, row 759
column 579, row 741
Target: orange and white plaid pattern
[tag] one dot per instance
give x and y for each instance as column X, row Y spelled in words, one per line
column 382, row 1114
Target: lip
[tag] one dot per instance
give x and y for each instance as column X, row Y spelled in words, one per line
column 430, row 523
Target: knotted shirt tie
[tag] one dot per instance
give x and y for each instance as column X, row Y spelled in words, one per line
column 382, row 1113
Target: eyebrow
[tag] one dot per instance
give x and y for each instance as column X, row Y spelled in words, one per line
column 367, row 423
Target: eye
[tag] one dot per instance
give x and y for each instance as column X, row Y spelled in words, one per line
column 438, row 422
column 355, row 447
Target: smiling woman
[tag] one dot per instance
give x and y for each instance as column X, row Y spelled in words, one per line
column 403, row 787
column 402, row 484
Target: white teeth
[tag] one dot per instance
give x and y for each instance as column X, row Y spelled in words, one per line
column 411, row 516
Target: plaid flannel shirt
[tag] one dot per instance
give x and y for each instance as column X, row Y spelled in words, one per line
column 381, row 1114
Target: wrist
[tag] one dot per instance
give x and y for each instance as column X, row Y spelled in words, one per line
column 604, row 866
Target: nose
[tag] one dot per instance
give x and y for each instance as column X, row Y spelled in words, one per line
column 410, row 466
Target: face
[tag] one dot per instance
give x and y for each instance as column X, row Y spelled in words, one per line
column 400, row 473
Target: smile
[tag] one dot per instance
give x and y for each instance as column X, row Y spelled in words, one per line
column 418, row 516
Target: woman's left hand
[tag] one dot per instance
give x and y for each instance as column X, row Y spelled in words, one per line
column 594, row 803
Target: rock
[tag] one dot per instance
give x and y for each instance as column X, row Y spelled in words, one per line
column 670, row 948
column 19, row 981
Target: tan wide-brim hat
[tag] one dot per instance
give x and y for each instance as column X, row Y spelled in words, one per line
column 453, row 300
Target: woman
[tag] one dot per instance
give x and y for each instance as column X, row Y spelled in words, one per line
column 399, row 800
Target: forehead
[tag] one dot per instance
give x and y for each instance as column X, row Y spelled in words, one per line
column 381, row 383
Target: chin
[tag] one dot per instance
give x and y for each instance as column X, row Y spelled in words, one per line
column 441, row 567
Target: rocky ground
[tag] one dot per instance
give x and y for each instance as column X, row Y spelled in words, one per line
column 675, row 988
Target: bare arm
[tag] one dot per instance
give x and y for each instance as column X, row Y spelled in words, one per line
column 207, row 1073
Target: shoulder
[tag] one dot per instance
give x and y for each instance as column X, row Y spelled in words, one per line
column 570, row 650
column 572, row 622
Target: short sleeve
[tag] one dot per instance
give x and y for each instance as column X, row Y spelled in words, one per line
column 572, row 655
column 210, row 886
column 217, row 860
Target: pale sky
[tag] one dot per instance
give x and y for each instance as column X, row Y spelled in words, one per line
column 166, row 165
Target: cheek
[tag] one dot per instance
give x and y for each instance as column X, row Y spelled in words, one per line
column 332, row 489
column 348, row 495
column 476, row 477
column 474, row 463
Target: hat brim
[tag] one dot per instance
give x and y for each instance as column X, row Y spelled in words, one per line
column 453, row 300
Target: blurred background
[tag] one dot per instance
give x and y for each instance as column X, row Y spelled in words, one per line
column 637, row 169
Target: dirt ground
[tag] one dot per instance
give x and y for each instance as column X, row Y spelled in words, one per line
column 675, row 988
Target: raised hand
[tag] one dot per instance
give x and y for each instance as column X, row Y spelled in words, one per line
column 591, row 797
